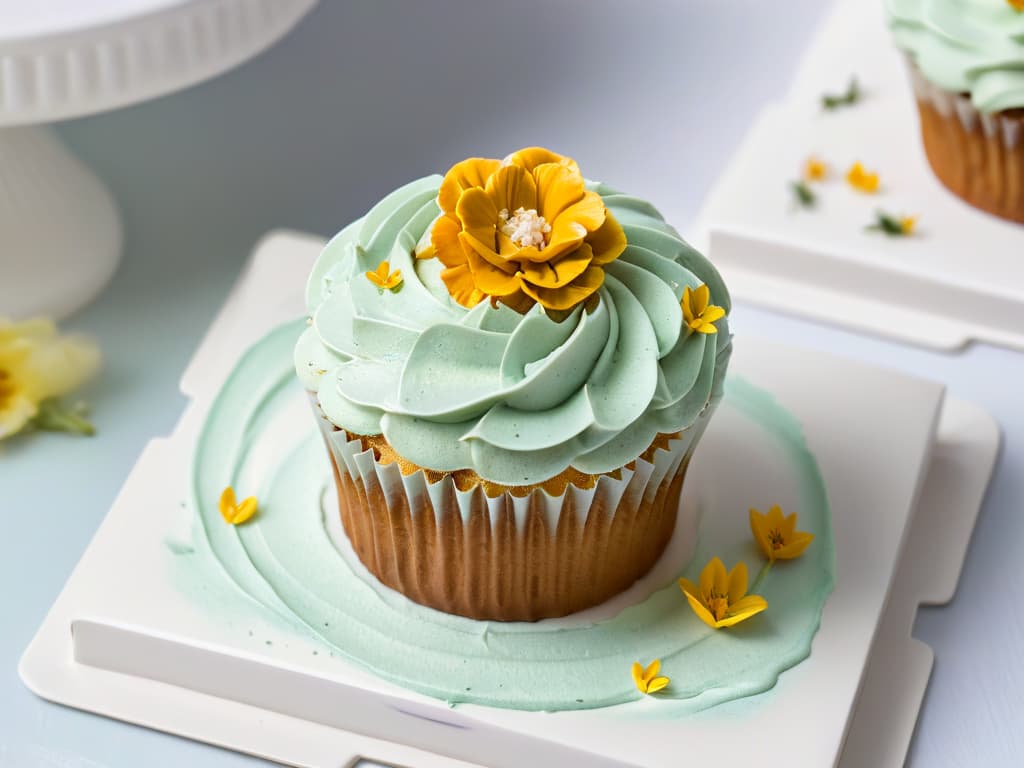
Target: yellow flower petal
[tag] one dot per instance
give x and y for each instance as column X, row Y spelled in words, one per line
column 479, row 215
column 652, row 670
column 444, row 237
column 687, row 305
column 713, row 575
column 488, row 278
column 510, row 188
column 227, row 503
column 559, row 189
column 712, row 314
column 657, row 684
column 468, row 174
column 737, row 582
column 795, row 546
column 560, row 273
column 608, row 242
column 244, row 511
column 568, row 296
column 701, row 610
column 751, row 605
column 530, row 157
column 759, row 529
column 701, row 297
column 702, row 326
column 638, row 676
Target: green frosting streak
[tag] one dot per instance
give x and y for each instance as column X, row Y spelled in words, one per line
column 286, row 560
column 518, row 398
column 965, row 46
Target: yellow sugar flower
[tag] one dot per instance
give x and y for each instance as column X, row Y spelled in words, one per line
column 721, row 599
column 907, row 223
column 384, row 278
column 862, row 179
column 777, row 535
column 233, row 512
column 646, row 679
column 698, row 314
column 36, row 366
column 522, row 231
column 815, row 169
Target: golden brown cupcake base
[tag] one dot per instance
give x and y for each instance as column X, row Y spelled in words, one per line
column 483, row 565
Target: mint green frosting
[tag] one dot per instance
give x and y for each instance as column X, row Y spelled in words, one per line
column 965, row 46
column 517, row 398
column 290, row 562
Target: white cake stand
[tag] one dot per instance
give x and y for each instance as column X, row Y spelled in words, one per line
column 60, row 232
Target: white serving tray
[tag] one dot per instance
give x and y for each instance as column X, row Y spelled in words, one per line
column 886, row 444
column 960, row 279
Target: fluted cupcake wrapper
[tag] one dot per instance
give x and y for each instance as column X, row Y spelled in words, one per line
column 506, row 557
column 978, row 156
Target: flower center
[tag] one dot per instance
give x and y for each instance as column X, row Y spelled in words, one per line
column 6, row 387
column 719, row 606
column 524, row 228
column 775, row 537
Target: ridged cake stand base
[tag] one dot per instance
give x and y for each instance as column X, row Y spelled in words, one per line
column 61, row 228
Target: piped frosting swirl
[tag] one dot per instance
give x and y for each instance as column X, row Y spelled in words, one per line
column 517, row 398
column 965, row 46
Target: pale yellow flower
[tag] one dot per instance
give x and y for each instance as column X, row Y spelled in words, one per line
column 721, row 599
column 698, row 313
column 384, row 278
column 863, row 180
column 523, row 231
column 37, row 364
column 233, row 512
column 815, row 169
column 646, row 679
column 777, row 535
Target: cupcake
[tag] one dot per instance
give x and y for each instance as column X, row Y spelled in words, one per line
column 966, row 61
column 511, row 367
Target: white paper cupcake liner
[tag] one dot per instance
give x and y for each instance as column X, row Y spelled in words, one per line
column 511, row 557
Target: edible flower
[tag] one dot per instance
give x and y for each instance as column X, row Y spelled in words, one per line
column 647, row 679
column 522, row 231
column 721, row 599
column 1017, row 5
column 862, row 179
column 37, row 366
column 233, row 512
column 698, row 314
column 815, row 169
column 777, row 535
column 384, row 278
column 847, row 99
column 894, row 226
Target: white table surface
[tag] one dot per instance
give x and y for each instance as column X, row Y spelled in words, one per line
column 362, row 97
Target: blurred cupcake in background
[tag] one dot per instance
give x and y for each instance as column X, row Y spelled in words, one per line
column 966, row 60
